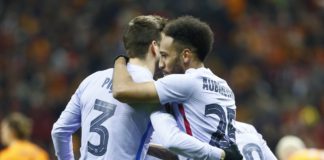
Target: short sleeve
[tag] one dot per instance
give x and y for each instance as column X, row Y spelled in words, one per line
column 174, row 88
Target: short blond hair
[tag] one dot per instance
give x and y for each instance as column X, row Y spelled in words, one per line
column 288, row 145
column 19, row 124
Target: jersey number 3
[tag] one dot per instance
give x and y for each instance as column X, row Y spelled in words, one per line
column 107, row 110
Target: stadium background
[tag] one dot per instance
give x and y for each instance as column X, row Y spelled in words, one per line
column 271, row 52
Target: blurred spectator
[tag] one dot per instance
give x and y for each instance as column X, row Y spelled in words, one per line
column 293, row 148
column 271, row 53
column 15, row 131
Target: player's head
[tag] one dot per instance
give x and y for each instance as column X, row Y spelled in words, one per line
column 143, row 35
column 15, row 127
column 288, row 145
column 186, row 40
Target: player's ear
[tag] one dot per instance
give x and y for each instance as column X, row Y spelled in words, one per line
column 186, row 55
column 154, row 48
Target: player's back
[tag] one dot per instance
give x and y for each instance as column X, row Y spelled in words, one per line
column 203, row 104
column 23, row 150
column 111, row 129
column 251, row 144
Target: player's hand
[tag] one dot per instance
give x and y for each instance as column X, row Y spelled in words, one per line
column 121, row 57
column 232, row 152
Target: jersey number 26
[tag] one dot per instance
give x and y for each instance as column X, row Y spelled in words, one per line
column 219, row 138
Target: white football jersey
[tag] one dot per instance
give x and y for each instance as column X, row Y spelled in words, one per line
column 203, row 104
column 110, row 129
column 251, row 144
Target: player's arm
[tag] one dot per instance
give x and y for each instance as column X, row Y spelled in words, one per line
column 126, row 90
column 68, row 122
column 173, row 139
column 266, row 150
column 171, row 88
column 158, row 151
column 62, row 131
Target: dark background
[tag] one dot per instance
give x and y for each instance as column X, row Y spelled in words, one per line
column 271, row 52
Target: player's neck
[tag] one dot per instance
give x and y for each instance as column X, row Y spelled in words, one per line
column 143, row 63
column 195, row 65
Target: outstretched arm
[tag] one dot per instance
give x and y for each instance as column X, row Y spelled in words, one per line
column 126, row 90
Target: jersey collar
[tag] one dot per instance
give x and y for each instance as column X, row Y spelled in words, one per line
column 201, row 69
column 137, row 67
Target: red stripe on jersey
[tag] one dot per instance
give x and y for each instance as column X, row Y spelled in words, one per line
column 186, row 122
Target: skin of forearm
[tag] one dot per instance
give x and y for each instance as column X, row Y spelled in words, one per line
column 121, row 78
column 127, row 91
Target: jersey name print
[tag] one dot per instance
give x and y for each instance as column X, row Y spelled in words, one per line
column 107, row 84
column 212, row 85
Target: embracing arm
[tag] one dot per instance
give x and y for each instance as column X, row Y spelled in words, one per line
column 173, row 139
column 126, row 90
column 158, row 151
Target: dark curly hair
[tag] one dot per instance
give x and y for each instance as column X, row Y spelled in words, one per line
column 190, row 32
column 140, row 32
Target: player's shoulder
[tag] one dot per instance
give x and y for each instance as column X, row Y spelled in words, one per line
column 102, row 72
column 34, row 148
column 191, row 74
column 139, row 73
column 183, row 81
column 177, row 77
column 242, row 127
column 94, row 77
column 17, row 151
column 207, row 75
column 97, row 74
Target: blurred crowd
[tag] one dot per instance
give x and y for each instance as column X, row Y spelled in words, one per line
column 270, row 52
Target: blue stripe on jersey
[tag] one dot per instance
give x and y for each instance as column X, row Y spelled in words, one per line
column 140, row 149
